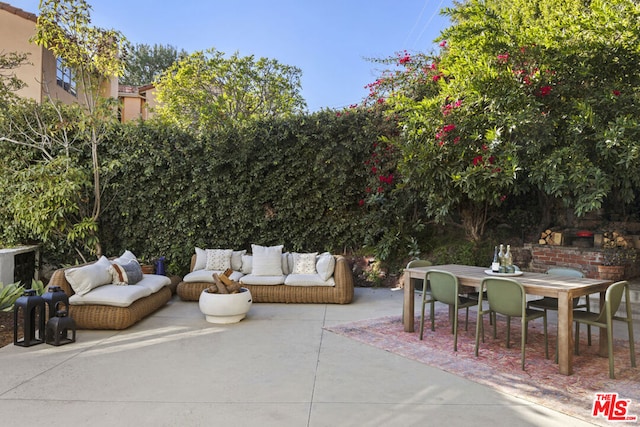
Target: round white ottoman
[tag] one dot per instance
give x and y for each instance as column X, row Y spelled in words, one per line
column 225, row 308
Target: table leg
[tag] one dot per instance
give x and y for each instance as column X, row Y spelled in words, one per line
column 408, row 306
column 565, row 335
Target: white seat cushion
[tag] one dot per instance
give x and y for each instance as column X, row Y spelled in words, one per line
column 308, row 280
column 118, row 296
column 154, row 282
column 206, row 276
column 252, row 279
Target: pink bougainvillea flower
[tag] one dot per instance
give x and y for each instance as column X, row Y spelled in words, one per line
column 492, row 160
column 616, row 92
column 477, row 160
column 380, row 101
column 436, row 77
column 361, row 202
column 503, row 197
column 441, row 143
column 367, row 190
column 484, row 147
column 456, row 140
column 374, row 169
column 448, row 128
column 458, row 103
column 443, row 43
column 380, row 189
column 503, row 57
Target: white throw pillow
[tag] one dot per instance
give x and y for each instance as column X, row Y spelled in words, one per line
column 84, row 279
column 325, row 265
column 125, row 257
column 236, row 260
column 304, row 263
column 218, row 259
column 267, row 260
column 247, row 264
column 201, row 259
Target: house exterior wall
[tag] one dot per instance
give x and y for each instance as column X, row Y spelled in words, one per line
column 15, row 32
column 17, row 27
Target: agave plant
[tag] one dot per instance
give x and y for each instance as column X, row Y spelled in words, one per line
column 9, row 294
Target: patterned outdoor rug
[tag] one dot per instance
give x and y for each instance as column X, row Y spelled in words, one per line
column 499, row 367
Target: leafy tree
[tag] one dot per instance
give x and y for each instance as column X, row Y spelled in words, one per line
column 55, row 186
column 207, row 91
column 9, row 82
column 524, row 96
column 146, row 63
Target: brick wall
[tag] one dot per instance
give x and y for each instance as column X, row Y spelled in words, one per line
column 586, row 260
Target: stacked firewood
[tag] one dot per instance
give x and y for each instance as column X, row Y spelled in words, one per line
column 223, row 284
column 548, row 237
column 614, row 240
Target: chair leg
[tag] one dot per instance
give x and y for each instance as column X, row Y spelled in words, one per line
column 479, row 324
column 610, row 348
column 433, row 319
column 546, row 337
column 576, row 349
column 466, row 320
column 523, row 340
column 455, row 329
column 588, row 326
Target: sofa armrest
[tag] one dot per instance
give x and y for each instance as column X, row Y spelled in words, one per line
column 343, row 276
column 58, row 279
column 193, row 263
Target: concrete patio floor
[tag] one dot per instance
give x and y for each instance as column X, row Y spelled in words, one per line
column 277, row 367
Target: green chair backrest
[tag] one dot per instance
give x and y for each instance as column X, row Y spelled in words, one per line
column 505, row 296
column 419, row 263
column 567, row 272
column 613, row 298
column 444, row 286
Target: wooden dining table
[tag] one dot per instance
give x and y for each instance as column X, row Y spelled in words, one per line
column 565, row 289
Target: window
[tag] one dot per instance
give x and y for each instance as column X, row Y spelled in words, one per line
column 65, row 77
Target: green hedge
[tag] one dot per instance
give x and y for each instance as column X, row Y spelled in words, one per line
column 294, row 181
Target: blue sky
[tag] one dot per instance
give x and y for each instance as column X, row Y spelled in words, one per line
column 327, row 39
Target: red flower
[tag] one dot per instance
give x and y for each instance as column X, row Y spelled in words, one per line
column 380, row 101
column 484, row 147
column 545, row 90
column 456, row 140
column 616, row 92
column 503, row 57
column 361, row 202
column 406, row 58
column 436, row 77
column 367, row 190
column 380, row 190
column 443, row 43
column 503, row 197
column 374, row 169
column 477, row 160
column 492, row 160
column 448, row 128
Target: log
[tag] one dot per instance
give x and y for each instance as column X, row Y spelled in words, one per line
column 222, row 289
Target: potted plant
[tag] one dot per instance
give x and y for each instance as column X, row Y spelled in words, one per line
column 616, row 254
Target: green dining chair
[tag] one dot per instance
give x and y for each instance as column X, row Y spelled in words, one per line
column 507, row 297
column 549, row 303
column 445, row 289
column 604, row 319
column 418, row 284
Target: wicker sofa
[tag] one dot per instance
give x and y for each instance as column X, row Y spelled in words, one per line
column 338, row 289
column 152, row 292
